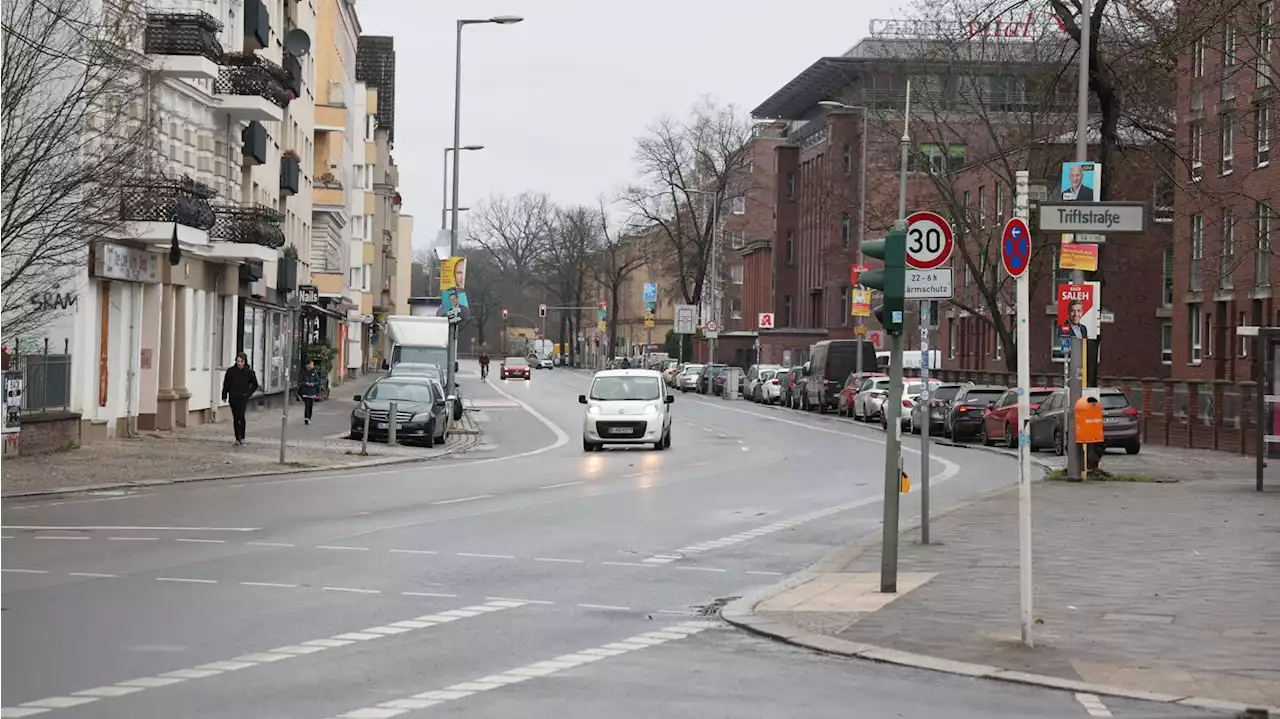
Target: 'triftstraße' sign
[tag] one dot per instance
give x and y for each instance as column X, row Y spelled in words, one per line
column 1103, row 218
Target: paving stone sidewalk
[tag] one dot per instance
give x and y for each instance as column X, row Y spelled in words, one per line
column 1160, row 587
column 207, row 451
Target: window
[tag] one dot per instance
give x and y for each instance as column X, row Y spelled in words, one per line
column 739, row 206
column 848, row 159
column 1264, row 43
column 1228, row 48
column 1193, row 332
column 937, row 158
column 735, row 303
column 790, row 246
column 1208, row 335
column 355, row 277
column 982, row 206
column 1228, row 249
column 786, row 310
column 735, row 273
column 1166, row 343
column 1167, row 295
column 1226, row 142
column 1197, row 58
column 1262, row 258
column 1244, row 341
column 951, row 338
column 1262, row 133
column 739, row 239
column 1196, row 131
column 845, row 308
column 999, row 348
column 846, row 227
column 999, row 201
column 365, row 285
column 1197, row 248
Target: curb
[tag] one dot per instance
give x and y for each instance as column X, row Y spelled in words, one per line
column 741, row 613
column 462, row 446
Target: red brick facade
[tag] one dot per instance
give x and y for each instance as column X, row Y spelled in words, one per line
column 746, row 224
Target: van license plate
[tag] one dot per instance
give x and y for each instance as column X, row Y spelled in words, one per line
column 619, row 430
column 380, row 425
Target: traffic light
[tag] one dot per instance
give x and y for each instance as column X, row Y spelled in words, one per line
column 542, row 310
column 891, row 281
column 504, row 313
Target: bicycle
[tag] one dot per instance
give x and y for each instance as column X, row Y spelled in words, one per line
column 484, row 372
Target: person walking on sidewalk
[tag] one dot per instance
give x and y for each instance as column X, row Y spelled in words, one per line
column 309, row 389
column 238, row 385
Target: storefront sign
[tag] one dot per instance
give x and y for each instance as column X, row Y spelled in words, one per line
column 308, row 294
column 116, row 262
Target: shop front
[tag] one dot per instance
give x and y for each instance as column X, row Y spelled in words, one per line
column 267, row 333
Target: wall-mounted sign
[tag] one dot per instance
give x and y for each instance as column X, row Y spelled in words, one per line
column 308, row 294
column 117, row 262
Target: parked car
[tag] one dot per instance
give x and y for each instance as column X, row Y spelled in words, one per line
column 911, row 392
column 629, row 406
column 752, row 379
column 670, row 372
column 1000, row 423
column 964, row 416
column 707, row 380
column 422, row 413
column 788, row 395
column 870, row 396
column 938, row 405
column 1120, row 425
column 418, row 369
column 850, row 390
column 767, row 386
column 829, row 365
column 514, row 367
column 687, row 380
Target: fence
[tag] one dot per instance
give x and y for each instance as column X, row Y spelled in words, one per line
column 1193, row 414
column 46, row 382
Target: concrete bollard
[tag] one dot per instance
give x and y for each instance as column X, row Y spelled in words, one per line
column 391, row 426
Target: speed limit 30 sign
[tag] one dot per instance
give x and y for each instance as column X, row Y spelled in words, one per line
column 929, row 241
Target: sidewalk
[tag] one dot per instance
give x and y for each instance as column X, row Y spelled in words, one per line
column 1168, row 588
column 206, row 451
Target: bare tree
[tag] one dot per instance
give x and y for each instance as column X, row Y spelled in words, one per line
column 690, row 171
column 514, row 231
column 74, row 132
column 485, row 291
column 565, row 261
column 620, row 254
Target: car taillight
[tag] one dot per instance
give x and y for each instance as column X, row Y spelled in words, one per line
column 773, row 382
column 906, row 403
column 1035, row 407
column 1130, row 412
column 958, row 409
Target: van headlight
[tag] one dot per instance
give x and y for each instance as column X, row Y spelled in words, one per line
column 652, row 408
column 593, row 409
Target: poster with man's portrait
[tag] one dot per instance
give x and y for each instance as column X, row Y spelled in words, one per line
column 1080, row 181
column 1078, row 315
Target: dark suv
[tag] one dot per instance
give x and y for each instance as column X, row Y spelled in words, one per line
column 711, row 381
column 964, row 416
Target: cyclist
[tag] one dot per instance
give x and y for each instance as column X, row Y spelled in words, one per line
column 484, row 365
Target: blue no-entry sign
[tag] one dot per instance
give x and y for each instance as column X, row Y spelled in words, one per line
column 1015, row 247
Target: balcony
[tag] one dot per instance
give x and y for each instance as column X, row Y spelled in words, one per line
column 184, row 44
column 254, row 151
column 326, row 194
column 249, row 224
column 184, row 202
column 293, row 69
column 290, row 174
column 252, row 87
column 257, row 25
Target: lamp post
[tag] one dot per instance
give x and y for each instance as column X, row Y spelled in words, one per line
column 862, row 207
column 457, row 146
column 444, row 186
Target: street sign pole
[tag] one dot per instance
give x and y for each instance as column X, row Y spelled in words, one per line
column 925, row 323
column 1075, row 359
column 1021, row 208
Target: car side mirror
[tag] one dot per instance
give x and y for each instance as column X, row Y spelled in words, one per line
column 452, row 398
column 671, row 399
column 456, row 366
column 439, row 404
column 356, row 398
column 582, row 399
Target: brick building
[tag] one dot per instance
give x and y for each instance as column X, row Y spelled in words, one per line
column 749, row 228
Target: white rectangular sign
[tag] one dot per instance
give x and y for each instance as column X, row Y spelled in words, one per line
column 765, row 321
column 1098, row 218
column 686, row 320
column 935, row 284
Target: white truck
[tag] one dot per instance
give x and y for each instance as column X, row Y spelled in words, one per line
column 415, row 338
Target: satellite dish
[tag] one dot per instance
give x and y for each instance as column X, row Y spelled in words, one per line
column 297, row 42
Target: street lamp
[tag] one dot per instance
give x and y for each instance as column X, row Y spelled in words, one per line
column 862, row 206
column 444, row 186
column 457, row 145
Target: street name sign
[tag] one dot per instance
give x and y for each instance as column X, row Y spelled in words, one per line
column 935, row 284
column 1093, row 218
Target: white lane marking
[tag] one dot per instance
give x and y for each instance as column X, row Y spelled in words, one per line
column 353, row 589
column 1093, row 705
column 271, row 544
column 535, row 670
column 200, row 541
column 562, row 484
column 703, row 569
column 486, row 556
column 554, row 559
column 413, row 551
column 39, row 505
column 96, row 575
column 428, row 594
column 522, row 601
column 341, row 547
column 605, row 606
column 628, row 564
column 104, row 527
column 463, row 499
column 767, row 574
column 25, row 571
column 61, row 536
column 134, row 539
column 186, row 580
column 241, row 662
column 268, row 584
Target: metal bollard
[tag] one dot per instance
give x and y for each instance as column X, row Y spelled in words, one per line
column 391, row 426
column 364, row 437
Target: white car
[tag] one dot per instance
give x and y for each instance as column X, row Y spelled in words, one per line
column 626, row 406
column 542, row 362
column 771, row 386
column 688, row 378
column 868, row 402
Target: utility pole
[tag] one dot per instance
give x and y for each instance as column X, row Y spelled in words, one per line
column 1021, row 210
column 1075, row 356
column 926, row 321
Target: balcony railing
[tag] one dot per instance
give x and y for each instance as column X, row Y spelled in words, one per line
column 184, row 201
column 183, row 33
column 249, row 74
column 250, row 224
column 290, row 174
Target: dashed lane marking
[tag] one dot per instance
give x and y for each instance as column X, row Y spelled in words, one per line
column 200, row 541
column 555, row 559
column 342, row 548
column 486, row 556
column 1093, row 705
column 546, row 668
column 271, row 544
column 247, row 661
column 413, row 551
column 462, row 499
column 122, row 528
column 612, row 607
column 25, row 571
column 61, row 536
column 562, row 484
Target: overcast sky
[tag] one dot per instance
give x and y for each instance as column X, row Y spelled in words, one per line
column 558, row 99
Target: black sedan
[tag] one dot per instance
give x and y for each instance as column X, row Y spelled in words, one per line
column 421, row 411
column 964, row 416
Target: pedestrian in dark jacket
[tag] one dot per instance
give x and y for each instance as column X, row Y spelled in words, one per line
column 238, row 385
column 309, row 388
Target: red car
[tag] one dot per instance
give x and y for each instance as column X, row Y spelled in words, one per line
column 514, row 367
column 1000, row 422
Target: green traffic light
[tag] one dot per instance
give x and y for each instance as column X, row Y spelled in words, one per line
column 892, row 280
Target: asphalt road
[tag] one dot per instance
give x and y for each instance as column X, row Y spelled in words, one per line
column 524, row 578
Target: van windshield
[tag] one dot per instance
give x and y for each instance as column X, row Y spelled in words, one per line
column 617, row 389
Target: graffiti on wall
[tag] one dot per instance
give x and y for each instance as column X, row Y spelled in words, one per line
column 48, row 301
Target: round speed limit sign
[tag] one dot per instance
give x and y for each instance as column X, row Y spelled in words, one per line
column 929, row 241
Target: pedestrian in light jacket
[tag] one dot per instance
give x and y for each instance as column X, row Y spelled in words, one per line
column 309, row 388
column 238, row 385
